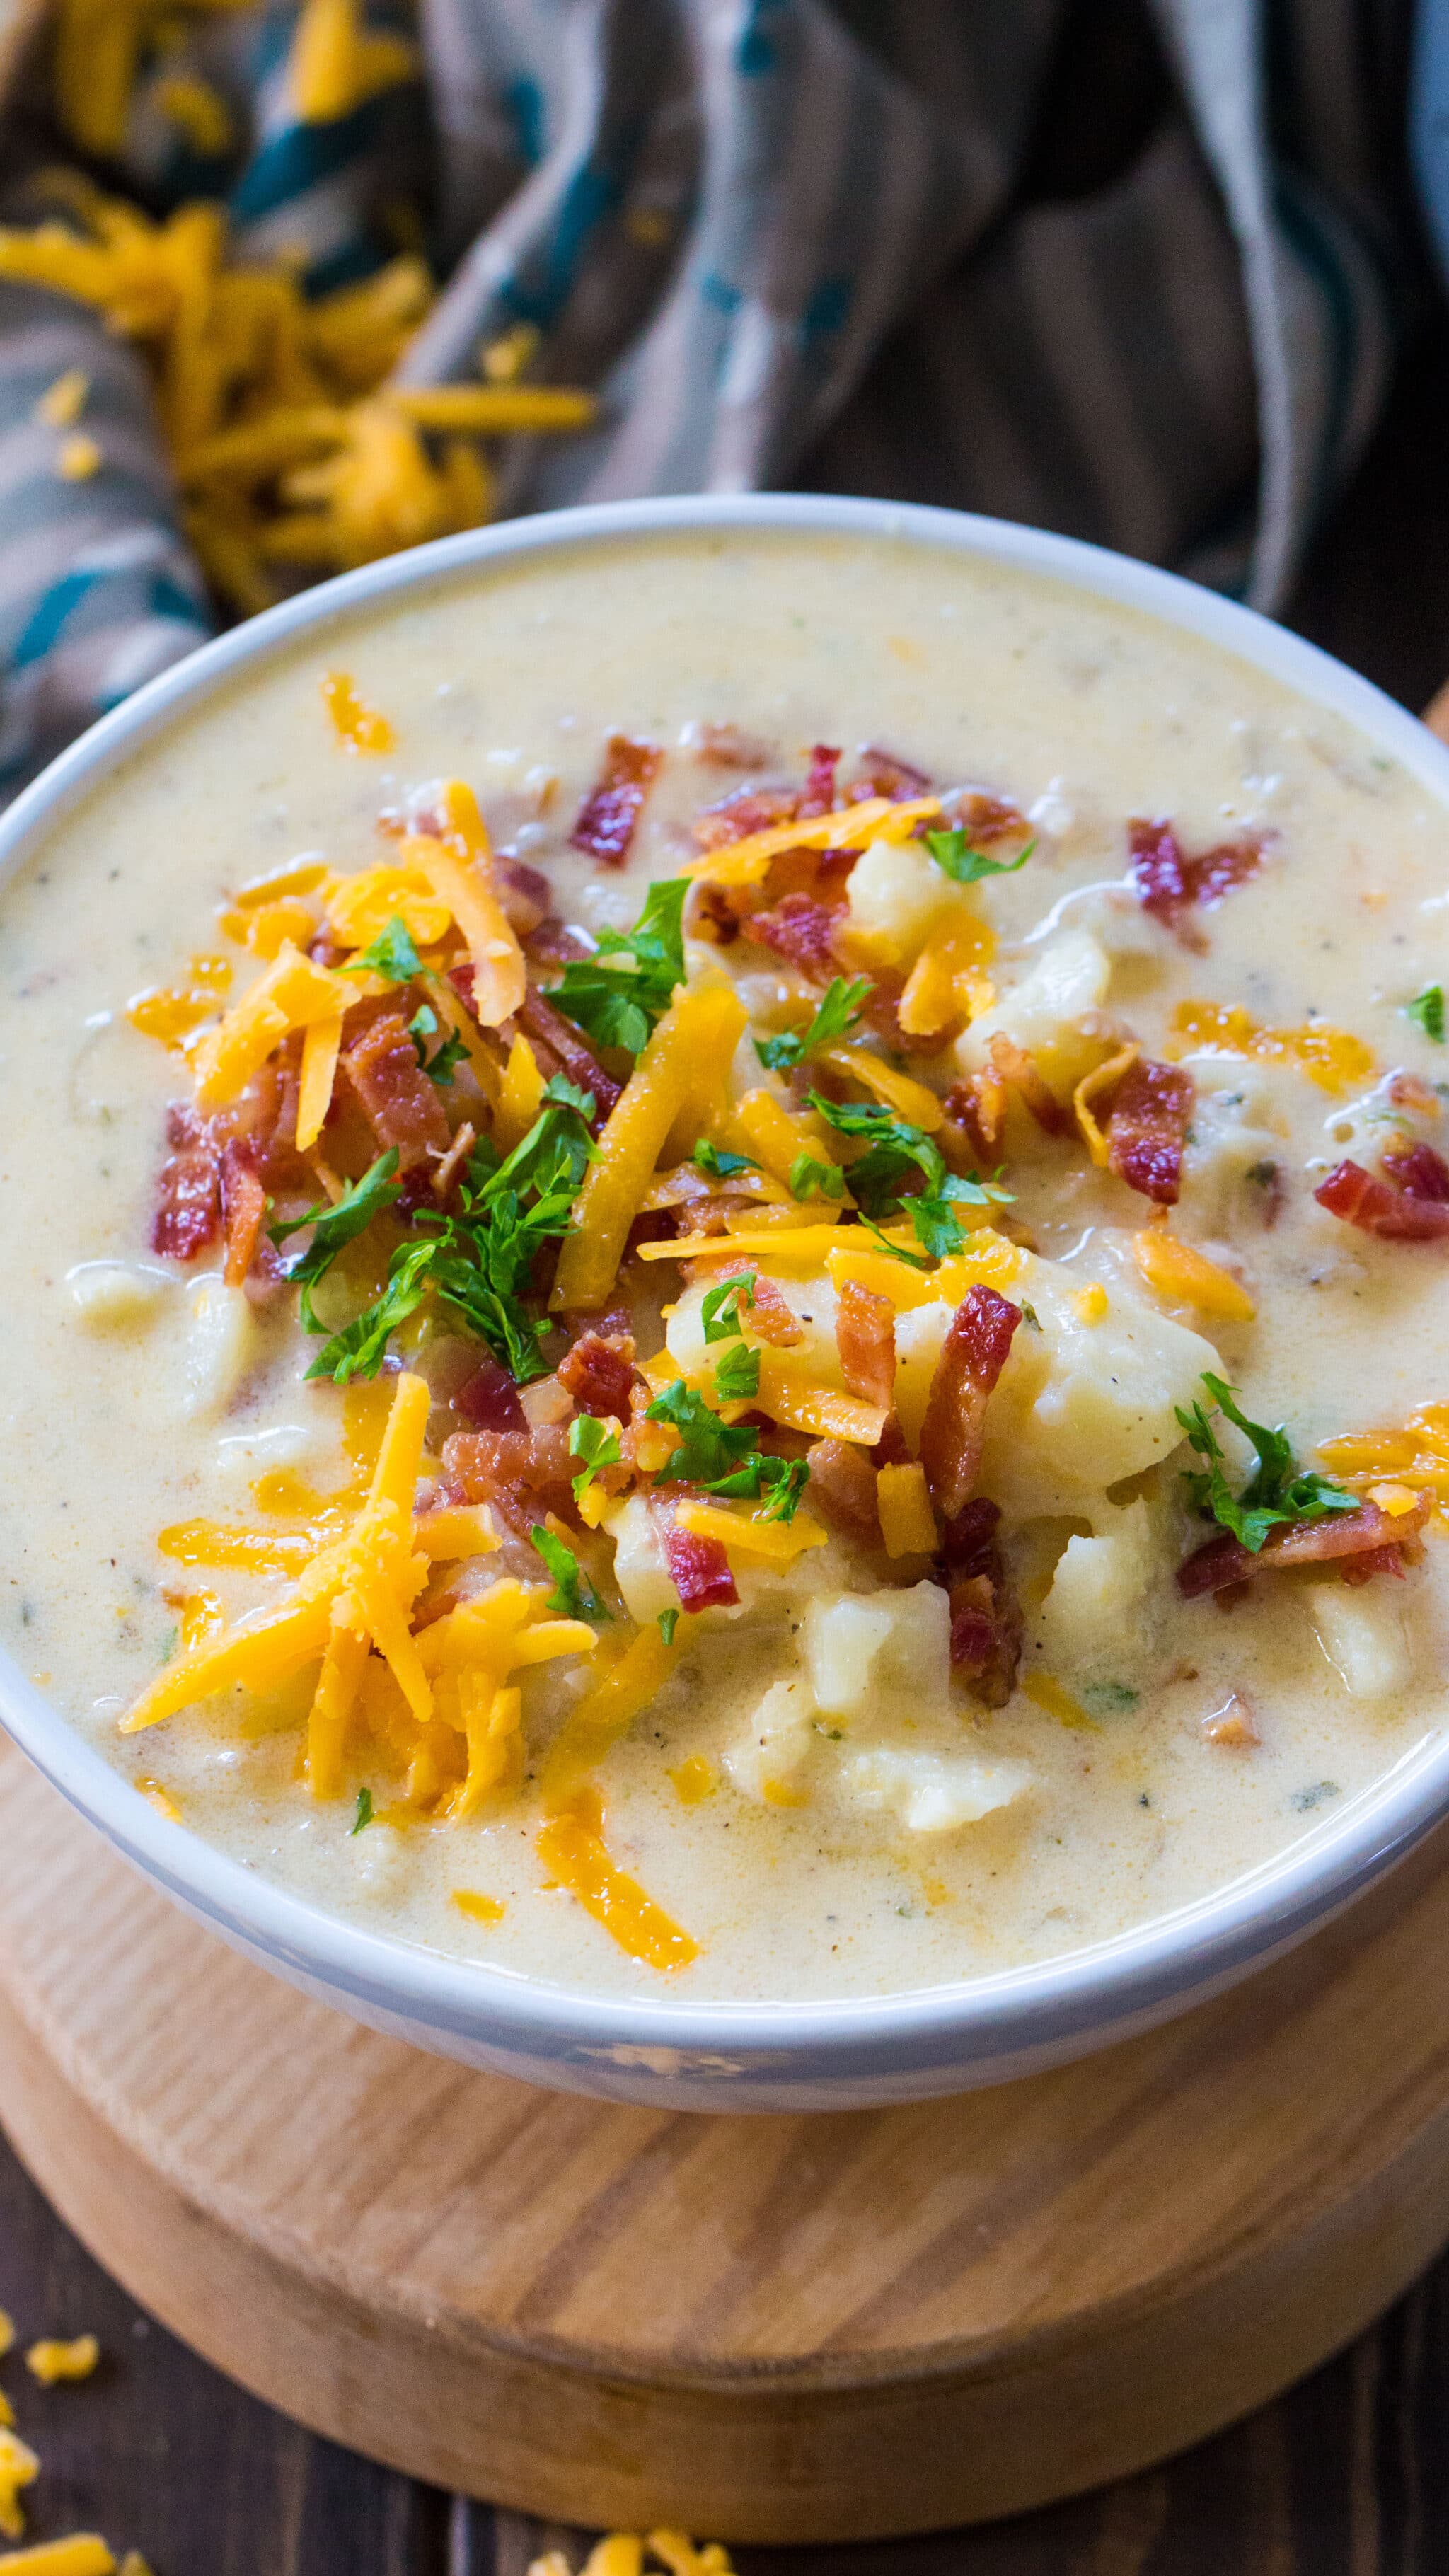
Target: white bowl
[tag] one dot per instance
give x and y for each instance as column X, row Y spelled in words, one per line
column 735, row 2056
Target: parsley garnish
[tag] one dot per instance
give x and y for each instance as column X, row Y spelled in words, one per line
column 1278, row 1490
column 437, row 1067
column 392, row 954
column 1428, row 1009
column 598, row 1447
column 573, row 1595
column 737, row 1374
column 896, row 1151
column 840, row 1008
column 668, row 1622
column 479, row 1262
column 719, row 1165
column 720, row 1311
column 809, row 1178
column 364, row 1814
column 617, row 995
column 708, row 1448
column 337, row 1226
column 965, row 866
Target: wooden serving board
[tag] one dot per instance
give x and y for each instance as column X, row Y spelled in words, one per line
column 775, row 2329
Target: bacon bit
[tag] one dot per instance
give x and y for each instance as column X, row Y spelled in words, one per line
column 772, row 1317
column 524, row 1474
column 1232, row 1724
column 978, row 1108
column 1374, row 1560
column 1406, row 1091
column 548, row 1027
column 1169, row 885
column 800, row 930
column 988, row 818
column 1223, row 1560
column 1395, row 1214
column 1013, row 1065
column 1419, row 1172
column 971, row 1361
column 892, row 1449
column 489, row 1399
column 749, row 810
column 698, row 1567
column 986, row 1620
column 599, row 1373
column 243, row 1207
column 609, row 813
column 842, row 1483
column 1147, row 1128
column 399, row 1103
column 524, row 893
column 712, row 915
column 188, row 1212
column 819, row 792
column 880, row 773
column 865, row 1337
column 726, row 746
column 554, row 943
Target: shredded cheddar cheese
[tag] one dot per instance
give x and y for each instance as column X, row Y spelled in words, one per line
column 910, row 1100
column 1411, row 1459
column 478, row 1908
column 1333, row 1058
column 907, row 1522
column 1177, row 1269
column 358, row 727
column 50, row 2361
column 693, row 1780
column 579, row 1860
column 81, row 2553
column 1049, row 1696
column 19, row 2468
column 1101, row 1078
column 746, row 861
column 779, row 1542
column 61, row 404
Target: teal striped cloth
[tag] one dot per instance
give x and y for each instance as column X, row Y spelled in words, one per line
column 1129, row 268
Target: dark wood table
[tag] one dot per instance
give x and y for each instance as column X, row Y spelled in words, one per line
column 1348, row 2475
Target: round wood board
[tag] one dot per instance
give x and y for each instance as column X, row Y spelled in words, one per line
column 784, row 2329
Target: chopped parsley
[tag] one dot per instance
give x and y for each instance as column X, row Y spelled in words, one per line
column 1279, row 1490
column 721, row 1457
column 719, row 1165
column 668, row 1622
column 598, row 1447
column 840, row 1008
column 737, row 1374
column 618, row 995
column 478, row 1263
column 393, row 955
column 364, row 1815
column 952, row 852
column 1110, row 1698
column 720, row 1312
column 809, row 1179
column 895, row 1154
column 335, row 1227
column 573, row 1595
column 1428, row 1009
column 1303, row 1799
column 439, row 1066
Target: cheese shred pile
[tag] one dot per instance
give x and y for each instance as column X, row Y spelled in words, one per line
column 80, row 2553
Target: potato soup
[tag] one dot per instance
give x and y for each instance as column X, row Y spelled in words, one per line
column 729, row 1267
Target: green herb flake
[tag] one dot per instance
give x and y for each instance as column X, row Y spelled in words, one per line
column 1303, row 1799
column 619, row 995
column 573, row 1595
column 1428, row 1009
column 668, row 1622
column 364, row 1815
column 1030, row 1316
column 737, row 1374
column 809, row 1179
column 841, row 1006
column 720, row 1312
column 335, row 1227
column 1278, row 1490
column 1109, row 1699
column 392, row 955
column 596, row 1444
column 953, row 853
column 720, row 1165
column 709, row 1450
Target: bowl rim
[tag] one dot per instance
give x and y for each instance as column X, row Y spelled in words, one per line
column 1175, row 1955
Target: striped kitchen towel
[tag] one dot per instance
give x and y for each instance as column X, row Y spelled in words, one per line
column 1129, row 268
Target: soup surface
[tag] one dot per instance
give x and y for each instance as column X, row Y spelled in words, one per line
column 663, row 1207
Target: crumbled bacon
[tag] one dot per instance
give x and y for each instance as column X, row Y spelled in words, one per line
column 523, row 1474
column 714, row 915
column 399, row 1103
column 188, row 1210
column 800, row 930
column 978, row 1108
column 1394, row 1212
column 986, row 1619
column 1406, row 1091
column 1168, row 884
column 1146, row 1128
column 865, row 1337
column 972, row 1359
column 599, row 1373
column 1224, row 1560
column 842, row 1482
column 552, row 944
column 1374, row 1560
column 610, row 811
column 243, row 1207
column 880, row 773
column 986, row 818
column 489, row 1398
column 524, row 892
column 698, row 1567
column 772, row 1317
column 747, row 810
column 818, row 796
column 549, row 1028
column 1420, row 1173
column 1012, row 1064
column 892, row 1449
column 725, row 746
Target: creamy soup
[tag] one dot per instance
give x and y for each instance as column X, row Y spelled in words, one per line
column 885, row 1430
